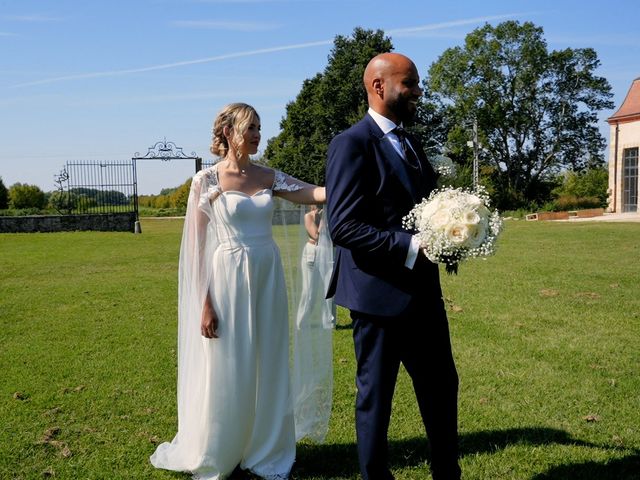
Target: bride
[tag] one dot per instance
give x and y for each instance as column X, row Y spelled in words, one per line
column 235, row 408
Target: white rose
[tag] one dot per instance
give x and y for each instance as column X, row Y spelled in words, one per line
column 473, row 201
column 448, row 204
column 440, row 220
column 429, row 210
column 470, row 217
column 477, row 233
column 457, row 233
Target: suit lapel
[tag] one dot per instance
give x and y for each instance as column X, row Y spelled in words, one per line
column 398, row 167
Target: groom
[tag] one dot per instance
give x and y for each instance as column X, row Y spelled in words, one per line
column 376, row 173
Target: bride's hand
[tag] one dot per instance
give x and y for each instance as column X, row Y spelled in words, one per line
column 209, row 320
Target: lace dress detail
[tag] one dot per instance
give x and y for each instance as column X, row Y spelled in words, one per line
column 211, row 187
column 281, row 182
column 286, row 183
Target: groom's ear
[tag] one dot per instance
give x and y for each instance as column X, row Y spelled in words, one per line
column 378, row 86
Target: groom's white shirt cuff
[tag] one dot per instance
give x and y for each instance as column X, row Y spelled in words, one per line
column 412, row 254
column 387, row 126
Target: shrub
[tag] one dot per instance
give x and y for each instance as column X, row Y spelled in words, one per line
column 572, row 202
column 20, row 212
column 180, row 197
column 582, row 188
column 23, row 196
column 63, row 202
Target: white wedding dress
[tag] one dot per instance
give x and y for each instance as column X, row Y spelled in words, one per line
column 235, row 406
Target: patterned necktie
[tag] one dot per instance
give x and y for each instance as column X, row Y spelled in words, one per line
column 409, row 154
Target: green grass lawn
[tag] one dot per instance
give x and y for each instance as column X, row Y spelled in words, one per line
column 546, row 336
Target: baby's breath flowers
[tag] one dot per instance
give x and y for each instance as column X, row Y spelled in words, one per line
column 454, row 224
column 443, row 165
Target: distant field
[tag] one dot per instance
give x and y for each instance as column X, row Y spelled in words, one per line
column 546, row 336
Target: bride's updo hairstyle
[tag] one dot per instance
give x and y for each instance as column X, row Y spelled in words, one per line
column 238, row 117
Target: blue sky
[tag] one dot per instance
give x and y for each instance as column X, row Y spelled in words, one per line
column 101, row 80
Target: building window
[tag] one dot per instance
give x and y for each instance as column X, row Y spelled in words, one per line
column 630, row 180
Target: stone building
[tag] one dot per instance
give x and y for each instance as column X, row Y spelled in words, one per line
column 623, row 153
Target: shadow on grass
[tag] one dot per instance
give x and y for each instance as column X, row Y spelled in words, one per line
column 330, row 461
column 341, row 460
column 625, row 468
column 493, row 440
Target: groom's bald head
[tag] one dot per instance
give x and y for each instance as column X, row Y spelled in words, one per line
column 392, row 84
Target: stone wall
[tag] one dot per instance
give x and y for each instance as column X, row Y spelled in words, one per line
column 106, row 222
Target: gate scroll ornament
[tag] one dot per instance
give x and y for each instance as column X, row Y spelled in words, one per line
column 163, row 151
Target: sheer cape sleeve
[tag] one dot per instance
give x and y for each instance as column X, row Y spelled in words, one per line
column 199, row 241
column 312, row 320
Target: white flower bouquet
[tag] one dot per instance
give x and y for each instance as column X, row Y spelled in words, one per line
column 454, row 224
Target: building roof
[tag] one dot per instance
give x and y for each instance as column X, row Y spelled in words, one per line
column 630, row 109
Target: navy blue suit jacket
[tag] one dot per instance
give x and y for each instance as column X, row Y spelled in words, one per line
column 369, row 189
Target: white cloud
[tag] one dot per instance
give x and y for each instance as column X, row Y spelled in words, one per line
column 31, row 18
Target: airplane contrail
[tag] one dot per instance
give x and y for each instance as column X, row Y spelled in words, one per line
column 248, row 53
column 453, row 23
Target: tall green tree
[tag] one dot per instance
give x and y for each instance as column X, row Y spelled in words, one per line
column 4, row 195
column 536, row 110
column 328, row 103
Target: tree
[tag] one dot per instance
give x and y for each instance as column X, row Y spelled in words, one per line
column 431, row 124
column 180, row 196
column 536, row 110
column 4, row 195
column 26, row 196
column 110, row 197
column 64, row 202
column 168, row 191
column 586, row 189
column 328, row 103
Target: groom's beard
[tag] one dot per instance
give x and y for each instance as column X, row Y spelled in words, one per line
column 404, row 109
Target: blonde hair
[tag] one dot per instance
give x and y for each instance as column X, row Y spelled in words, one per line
column 236, row 116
